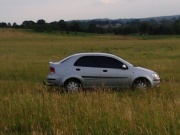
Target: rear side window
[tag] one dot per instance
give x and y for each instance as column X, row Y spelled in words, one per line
column 87, row 61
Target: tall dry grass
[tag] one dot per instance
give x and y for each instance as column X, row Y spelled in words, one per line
column 36, row 110
column 29, row 107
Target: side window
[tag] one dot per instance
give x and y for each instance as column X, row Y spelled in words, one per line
column 108, row 62
column 87, row 61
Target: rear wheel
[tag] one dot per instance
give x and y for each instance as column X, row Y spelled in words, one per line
column 141, row 83
column 72, row 85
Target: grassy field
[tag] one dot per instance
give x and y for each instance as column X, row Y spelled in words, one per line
column 29, row 107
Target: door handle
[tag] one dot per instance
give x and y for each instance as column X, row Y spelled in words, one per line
column 78, row 69
column 104, row 70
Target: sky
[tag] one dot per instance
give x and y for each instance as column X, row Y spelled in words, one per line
column 54, row 10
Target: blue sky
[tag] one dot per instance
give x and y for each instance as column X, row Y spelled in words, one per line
column 55, row 10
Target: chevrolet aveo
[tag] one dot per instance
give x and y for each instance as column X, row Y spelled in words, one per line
column 99, row 70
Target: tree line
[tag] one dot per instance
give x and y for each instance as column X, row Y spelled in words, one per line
column 135, row 26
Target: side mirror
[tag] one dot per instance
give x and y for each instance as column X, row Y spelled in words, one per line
column 124, row 67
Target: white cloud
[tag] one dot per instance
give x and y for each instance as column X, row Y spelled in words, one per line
column 107, row 1
column 102, row 1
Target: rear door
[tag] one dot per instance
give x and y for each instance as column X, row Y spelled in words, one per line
column 86, row 67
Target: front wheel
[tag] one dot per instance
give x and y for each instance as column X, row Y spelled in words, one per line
column 141, row 83
column 72, row 85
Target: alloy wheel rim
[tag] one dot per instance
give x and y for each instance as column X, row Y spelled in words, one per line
column 142, row 85
column 72, row 86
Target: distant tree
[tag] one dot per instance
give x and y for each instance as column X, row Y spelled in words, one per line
column 28, row 24
column 3, row 25
column 167, row 30
column 25, row 23
column 9, row 24
column 41, row 22
column 14, row 25
column 125, row 30
column 135, row 22
column 101, row 30
column 120, row 26
column 53, row 25
column 144, row 28
column 92, row 28
column 67, row 29
column 62, row 25
column 75, row 27
column 176, row 26
column 41, row 26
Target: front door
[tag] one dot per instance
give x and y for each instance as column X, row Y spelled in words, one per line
column 114, row 77
column 112, row 72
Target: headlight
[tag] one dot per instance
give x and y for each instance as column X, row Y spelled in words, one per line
column 155, row 76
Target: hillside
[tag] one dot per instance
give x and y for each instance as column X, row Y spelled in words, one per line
column 125, row 20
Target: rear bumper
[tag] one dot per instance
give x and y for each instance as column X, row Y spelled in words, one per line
column 47, row 84
column 53, row 80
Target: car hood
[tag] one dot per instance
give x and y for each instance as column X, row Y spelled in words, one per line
column 141, row 69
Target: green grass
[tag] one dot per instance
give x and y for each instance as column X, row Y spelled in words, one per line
column 29, row 107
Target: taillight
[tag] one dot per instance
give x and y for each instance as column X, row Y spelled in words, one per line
column 52, row 70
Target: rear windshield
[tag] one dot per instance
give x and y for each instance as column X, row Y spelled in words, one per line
column 66, row 59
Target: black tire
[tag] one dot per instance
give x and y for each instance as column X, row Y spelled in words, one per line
column 141, row 83
column 72, row 85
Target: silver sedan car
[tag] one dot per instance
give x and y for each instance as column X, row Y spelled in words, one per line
column 99, row 70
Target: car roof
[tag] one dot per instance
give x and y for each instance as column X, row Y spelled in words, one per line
column 77, row 55
column 93, row 53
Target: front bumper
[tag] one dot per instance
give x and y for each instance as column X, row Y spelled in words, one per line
column 156, row 83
